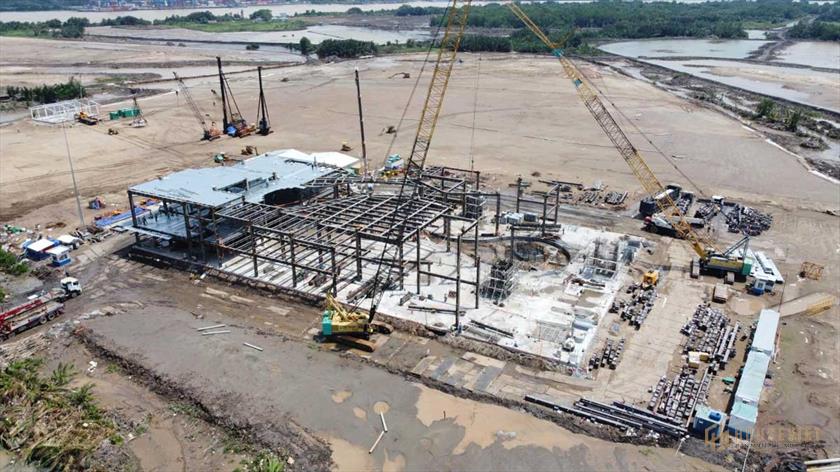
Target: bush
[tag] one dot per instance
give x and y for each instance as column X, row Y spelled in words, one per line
column 765, row 108
column 48, row 93
column 262, row 15
column 345, row 48
column 9, row 264
column 305, row 46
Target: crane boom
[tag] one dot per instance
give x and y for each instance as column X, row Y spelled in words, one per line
column 188, row 97
column 351, row 321
column 456, row 22
column 653, row 187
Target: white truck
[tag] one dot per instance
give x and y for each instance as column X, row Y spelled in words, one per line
column 38, row 309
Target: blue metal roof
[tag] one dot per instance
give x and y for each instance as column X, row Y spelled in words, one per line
column 248, row 180
column 764, row 339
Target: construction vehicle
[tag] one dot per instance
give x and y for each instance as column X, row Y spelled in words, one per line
column 210, row 132
column 263, row 123
column 87, row 119
column 39, row 309
column 139, row 120
column 709, row 259
column 650, row 279
column 233, row 124
column 351, row 326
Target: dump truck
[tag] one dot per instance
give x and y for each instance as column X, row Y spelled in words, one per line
column 39, row 309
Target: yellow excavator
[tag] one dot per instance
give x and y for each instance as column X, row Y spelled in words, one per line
column 351, row 326
column 732, row 260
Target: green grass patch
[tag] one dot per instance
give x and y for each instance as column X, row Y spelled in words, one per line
column 45, row 422
column 9, row 264
column 240, row 25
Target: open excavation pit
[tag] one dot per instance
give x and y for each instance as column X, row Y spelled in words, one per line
column 311, row 228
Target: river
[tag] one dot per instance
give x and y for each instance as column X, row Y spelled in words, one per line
column 288, row 9
column 316, row 34
column 721, row 61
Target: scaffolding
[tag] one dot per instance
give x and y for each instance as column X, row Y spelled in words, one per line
column 61, row 112
column 501, row 282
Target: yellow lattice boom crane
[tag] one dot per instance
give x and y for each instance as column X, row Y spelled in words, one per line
column 350, row 326
column 730, row 260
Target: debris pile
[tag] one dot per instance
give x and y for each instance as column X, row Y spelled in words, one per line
column 748, row 220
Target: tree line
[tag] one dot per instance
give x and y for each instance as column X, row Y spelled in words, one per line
column 69, row 90
column 72, row 28
column 618, row 19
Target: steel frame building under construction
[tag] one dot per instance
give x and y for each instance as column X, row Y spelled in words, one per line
column 305, row 228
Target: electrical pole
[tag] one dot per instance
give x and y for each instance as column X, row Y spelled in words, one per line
column 361, row 124
column 73, row 175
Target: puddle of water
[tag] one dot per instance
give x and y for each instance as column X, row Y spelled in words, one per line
column 483, row 422
column 350, row 458
column 812, row 53
column 804, row 86
column 342, row 395
column 397, row 464
column 733, row 49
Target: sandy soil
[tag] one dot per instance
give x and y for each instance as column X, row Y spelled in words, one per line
column 527, row 118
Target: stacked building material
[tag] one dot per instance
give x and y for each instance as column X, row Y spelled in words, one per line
column 615, row 198
column 637, row 309
column 608, row 356
column 748, row 220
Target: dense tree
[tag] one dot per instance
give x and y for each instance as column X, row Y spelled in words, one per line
column 124, row 21
column 48, row 93
column 345, row 48
column 263, row 14
column 305, row 46
column 816, row 30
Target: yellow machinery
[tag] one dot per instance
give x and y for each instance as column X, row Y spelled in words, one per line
column 352, row 326
column 710, row 258
column 210, row 132
column 650, row 279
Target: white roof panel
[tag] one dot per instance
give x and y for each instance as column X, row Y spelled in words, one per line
column 40, row 245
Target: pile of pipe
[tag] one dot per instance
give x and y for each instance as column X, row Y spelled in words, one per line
column 615, row 198
column 609, row 356
column 748, row 220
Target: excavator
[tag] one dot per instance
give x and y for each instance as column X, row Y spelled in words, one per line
column 352, row 326
column 210, row 132
column 731, row 261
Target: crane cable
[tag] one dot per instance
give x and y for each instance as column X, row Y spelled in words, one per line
column 416, row 84
column 643, row 135
column 475, row 107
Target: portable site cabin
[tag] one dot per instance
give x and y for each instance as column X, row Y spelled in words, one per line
column 37, row 250
column 60, row 256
